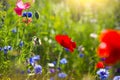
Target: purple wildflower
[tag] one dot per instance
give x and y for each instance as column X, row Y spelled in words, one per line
column 37, row 69
column 62, row 75
column 116, row 78
column 63, row 61
column 52, row 70
column 81, row 55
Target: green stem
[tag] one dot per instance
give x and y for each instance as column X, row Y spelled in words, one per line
column 17, row 40
column 23, row 33
column 47, row 56
column 58, row 61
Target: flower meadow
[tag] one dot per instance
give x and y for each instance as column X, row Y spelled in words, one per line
column 59, row 40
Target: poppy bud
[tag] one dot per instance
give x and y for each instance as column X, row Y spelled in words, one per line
column 100, row 65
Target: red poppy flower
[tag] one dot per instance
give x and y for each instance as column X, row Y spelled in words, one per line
column 100, row 65
column 66, row 42
column 20, row 6
column 109, row 47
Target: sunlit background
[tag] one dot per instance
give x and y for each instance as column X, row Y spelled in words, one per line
column 83, row 10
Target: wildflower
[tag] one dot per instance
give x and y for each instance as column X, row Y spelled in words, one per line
column 51, row 78
column 102, row 59
column 14, row 30
column 108, row 67
column 37, row 69
column 109, row 47
column 66, row 49
column 51, row 65
column 81, row 48
column 63, row 61
column 27, row 14
column 18, row 11
column 116, row 78
column 20, row 6
column 100, row 65
column 50, row 41
column 62, row 75
column 58, row 69
column 24, row 14
column 9, row 47
column 36, row 57
column 31, row 74
column 28, row 71
column 54, row 62
column 66, row 42
column 21, row 43
column 103, row 50
column 103, row 74
column 5, row 50
column 33, row 59
column 46, row 38
column 81, row 55
column 93, row 35
column 52, row 70
column 0, row 49
column 27, row 17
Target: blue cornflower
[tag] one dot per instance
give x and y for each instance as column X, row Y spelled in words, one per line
column 9, row 47
column 37, row 69
column 59, row 69
column 63, row 61
column 29, row 14
column 5, row 49
column 0, row 49
column 54, row 62
column 103, row 74
column 116, row 78
column 33, row 59
column 14, row 30
column 36, row 57
column 81, row 55
column 21, row 43
column 66, row 49
column 62, row 75
column 28, row 71
column 24, row 14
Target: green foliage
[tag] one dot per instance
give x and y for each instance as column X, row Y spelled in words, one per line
column 51, row 18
